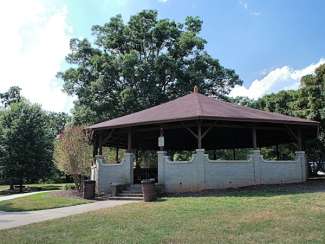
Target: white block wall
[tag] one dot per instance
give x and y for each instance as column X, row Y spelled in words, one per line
column 201, row 173
column 107, row 174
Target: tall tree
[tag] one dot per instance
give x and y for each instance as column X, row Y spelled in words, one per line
column 141, row 63
column 11, row 96
column 26, row 144
column 311, row 104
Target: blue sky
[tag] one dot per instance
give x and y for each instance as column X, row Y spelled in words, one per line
column 270, row 44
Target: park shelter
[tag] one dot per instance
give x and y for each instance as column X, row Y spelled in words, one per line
column 197, row 123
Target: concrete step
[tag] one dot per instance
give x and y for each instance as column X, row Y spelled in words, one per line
column 130, row 191
column 135, row 187
column 126, row 198
column 130, row 194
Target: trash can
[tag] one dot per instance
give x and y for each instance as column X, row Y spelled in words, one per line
column 148, row 190
column 89, row 189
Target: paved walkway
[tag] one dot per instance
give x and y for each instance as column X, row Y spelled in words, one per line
column 15, row 219
column 13, row 196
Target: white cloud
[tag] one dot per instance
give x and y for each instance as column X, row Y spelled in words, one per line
column 34, row 41
column 244, row 4
column 162, row 1
column 283, row 78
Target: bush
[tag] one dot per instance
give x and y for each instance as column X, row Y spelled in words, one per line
column 68, row 187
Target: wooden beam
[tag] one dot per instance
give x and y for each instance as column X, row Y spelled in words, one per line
column 297, row 137
column 191, row 131
column 110, row 134
column 206, row 132
column 188, row 125
column 292, row 133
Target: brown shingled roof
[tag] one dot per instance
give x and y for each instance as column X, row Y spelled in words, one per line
column 198, row 106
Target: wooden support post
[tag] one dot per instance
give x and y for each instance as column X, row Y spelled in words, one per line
column 129, row 140
column 299, row 139
column 94, row 152
column 95, row 149
column 254, row 138
column 116, row 153
column 199, row 136
column 100, row 144
column 277, row 151
column 161, row 148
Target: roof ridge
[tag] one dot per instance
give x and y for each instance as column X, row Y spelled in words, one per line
column 198, row 102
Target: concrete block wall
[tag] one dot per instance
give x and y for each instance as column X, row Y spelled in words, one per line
column 106, row 174
column 201, row 173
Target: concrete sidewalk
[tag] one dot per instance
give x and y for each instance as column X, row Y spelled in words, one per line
column 15, row 219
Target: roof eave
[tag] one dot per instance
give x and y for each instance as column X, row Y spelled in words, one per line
column 282, row 122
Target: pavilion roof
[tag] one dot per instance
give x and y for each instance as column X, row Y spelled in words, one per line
column 197, row 106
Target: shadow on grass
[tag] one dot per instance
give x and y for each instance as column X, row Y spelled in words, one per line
column 32, row 189
column 313, row 186
column 8, row 207
column 45, row 188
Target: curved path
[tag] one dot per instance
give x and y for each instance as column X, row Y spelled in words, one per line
column 15, row 219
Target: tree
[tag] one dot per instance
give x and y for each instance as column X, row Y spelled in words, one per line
column 11, row 96
column 72, row 154
column 311, row 105
column 243, row 101
column 57, row 122
column 306, row 102
column 26, row 144
column 139, row 64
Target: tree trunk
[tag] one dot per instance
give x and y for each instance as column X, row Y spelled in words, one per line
column 11, row 185
column 20, row 185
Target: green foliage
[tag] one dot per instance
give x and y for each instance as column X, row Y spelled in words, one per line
column 26, row 144
column 243, row 101
column 139, row 64
column 57, row 121
column 72, row 154
column 11, row 96
column 69, row 187
column 306, row 102
column 182, row 155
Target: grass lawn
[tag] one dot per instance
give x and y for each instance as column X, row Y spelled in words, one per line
column 277, row 214
column 39, row 201
column 4, row 189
